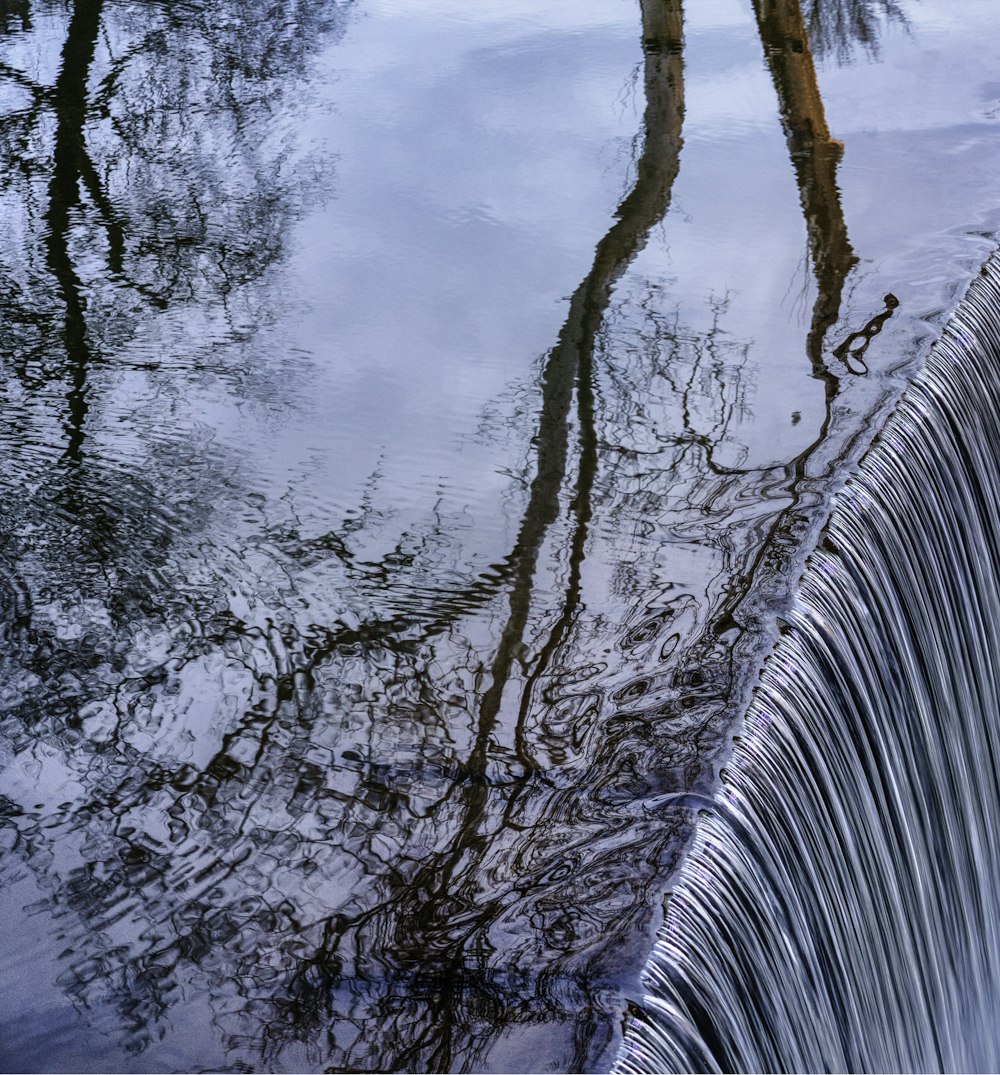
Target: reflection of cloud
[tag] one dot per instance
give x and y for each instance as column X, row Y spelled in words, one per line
column 347, row 780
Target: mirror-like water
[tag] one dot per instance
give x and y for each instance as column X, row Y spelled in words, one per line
column 838, row 911
column 411, row 419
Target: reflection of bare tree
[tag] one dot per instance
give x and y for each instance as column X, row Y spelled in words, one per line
column 137, row 194
column 757, row 584
column 308, row 804
column 133, row 202
column 452, row 882
column 838, row 25
column 269, row 768
column 124, row 180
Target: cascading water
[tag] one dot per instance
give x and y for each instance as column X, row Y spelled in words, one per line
column 839, row 909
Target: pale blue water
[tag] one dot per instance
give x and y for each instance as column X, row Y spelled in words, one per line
column 413, row 417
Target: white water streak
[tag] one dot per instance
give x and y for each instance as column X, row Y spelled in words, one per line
column 840, row 909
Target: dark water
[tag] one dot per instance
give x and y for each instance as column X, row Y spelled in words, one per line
column 838, row 911
column 402, row 463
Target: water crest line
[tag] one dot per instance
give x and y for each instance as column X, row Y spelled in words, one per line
column 838, row 909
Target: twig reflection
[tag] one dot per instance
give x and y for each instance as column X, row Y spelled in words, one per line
column 381, row 847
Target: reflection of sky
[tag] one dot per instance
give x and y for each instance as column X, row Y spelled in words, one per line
column 472, row 186
column 479, row 156
column 921, row 165
column 480, row 153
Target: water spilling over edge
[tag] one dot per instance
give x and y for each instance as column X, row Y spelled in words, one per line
column 838, row 909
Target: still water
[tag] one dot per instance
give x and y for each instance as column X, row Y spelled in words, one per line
column 413, row 418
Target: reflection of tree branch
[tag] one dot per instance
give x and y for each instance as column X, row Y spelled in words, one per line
column 569, row 365
column 104, row 94
column 656, row 170
column 571, row 360
column 19, row 78
column 836, row 25
column 112, row 227
column 815, row 156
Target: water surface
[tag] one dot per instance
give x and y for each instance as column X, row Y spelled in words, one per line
column 412, row 417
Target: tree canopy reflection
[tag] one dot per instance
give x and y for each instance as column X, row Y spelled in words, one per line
column 376, row 813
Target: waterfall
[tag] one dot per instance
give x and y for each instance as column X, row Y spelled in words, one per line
column 839, row 907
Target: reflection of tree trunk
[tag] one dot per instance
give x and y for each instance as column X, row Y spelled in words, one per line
column 736, row 624
column 570, row 363
column 70, row 105
column 568, row 366
column 815, row 156
column 647, row 203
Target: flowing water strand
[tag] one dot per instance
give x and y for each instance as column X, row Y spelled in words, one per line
column 839, row 909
